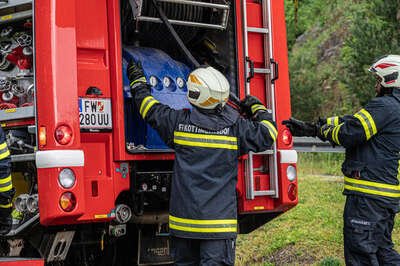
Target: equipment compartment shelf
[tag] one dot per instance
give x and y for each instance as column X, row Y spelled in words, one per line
column 17, row 113
column 13, row 3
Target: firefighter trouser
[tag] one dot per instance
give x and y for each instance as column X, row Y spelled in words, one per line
column 210, row 252
column 368, row 226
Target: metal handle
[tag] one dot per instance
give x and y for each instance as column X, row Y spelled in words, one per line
column 276, row 70
column 251, row 72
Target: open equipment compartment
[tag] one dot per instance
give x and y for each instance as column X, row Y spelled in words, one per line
column 207, row 29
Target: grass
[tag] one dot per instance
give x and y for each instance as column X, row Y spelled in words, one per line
column 311, row 233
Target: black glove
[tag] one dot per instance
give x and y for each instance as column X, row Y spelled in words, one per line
column 263, row 115
column 135, row 74
column 251, row 105
column 300, row 128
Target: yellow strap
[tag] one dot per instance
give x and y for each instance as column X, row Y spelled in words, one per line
column 203, row 222
column 203, row 230
column 371, row 184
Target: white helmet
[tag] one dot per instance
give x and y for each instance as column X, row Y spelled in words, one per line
column 387, row 68
column 207, row 88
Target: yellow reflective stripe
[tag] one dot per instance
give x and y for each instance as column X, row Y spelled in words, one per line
column 204, row 136
column 371, row 184
column 205, row 144
column 148, row 108
column 367, row 122
column 333, row 121
column 5, row 180
column 142, row 80
column 336, row 121
column 371, row 191
column 371, row 121
column 365, row 125
column 3, row 145
column 7, row 188
column 146, row 104
column 256, row 107
column 4, row 154
column 203, row 222
column 398, row 170
column 6, row 206
column 271, row 128
column 335, row 134
column 206, row 141
column 204, row 230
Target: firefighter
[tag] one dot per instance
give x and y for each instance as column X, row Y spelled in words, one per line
column 6, row 189
column 207, row 141
column 371, row 168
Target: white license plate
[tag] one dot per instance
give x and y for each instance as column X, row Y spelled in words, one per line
column 95, row 113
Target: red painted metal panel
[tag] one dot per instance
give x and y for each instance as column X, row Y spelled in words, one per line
column 21, row 262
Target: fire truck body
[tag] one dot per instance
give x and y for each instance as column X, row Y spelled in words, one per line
column 98, row 178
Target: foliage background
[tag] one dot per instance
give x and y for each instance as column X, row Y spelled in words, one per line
column 331, row 46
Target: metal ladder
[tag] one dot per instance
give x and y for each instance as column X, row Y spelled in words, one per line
column 265, row 30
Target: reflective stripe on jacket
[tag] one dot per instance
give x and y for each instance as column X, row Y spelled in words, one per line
column 6, row 188
column 372, row 141
column 207, row 146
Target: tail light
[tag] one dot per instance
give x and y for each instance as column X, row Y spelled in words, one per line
column 42, row 136
column 291, row 173
column 287, row 137
column 66, row 178
column 67, row 201
column 292, row 192
column 63, row 134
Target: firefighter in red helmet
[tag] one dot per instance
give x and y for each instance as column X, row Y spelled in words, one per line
column 371, row 168
column 207, row 141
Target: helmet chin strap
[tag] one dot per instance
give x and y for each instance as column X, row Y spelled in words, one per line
column 384, row 91
column 218, row 109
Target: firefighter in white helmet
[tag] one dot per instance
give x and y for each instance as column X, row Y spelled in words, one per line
column 207, row 141
column 371, row 168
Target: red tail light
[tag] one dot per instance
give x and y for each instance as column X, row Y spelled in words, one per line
column 67, row 201
column 63, row 134
column 292, row 192
column 287, row 137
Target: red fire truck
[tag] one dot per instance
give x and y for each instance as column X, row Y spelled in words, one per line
column 92, row 179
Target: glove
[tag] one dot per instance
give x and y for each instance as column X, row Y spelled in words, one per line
column 261, row 115
column 135, row 74
column 300, row 128
column 251, row 105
